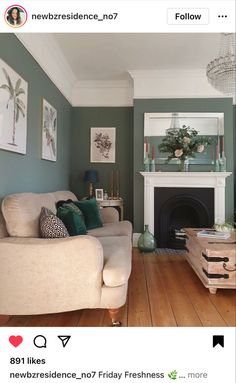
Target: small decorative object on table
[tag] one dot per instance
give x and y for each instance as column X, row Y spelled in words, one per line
column 105, row 195
column 99, row 194
column 225, row 227
column 182, row 144
column 146, row 241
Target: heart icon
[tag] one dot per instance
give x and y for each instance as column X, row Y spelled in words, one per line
column 15, row 340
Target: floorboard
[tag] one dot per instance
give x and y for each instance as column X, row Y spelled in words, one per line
column 163, row 291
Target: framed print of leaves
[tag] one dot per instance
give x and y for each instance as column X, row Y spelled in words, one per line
column 103, row 145
column 49, row 132
column 13, row 110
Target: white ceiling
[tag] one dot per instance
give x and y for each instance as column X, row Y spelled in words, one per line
column 92, row 69
column 109, row 56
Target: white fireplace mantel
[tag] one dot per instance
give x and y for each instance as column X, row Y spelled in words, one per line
column 215, row 180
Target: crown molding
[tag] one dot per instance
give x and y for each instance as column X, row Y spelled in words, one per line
column 48, row 55
column 103, row 93
column 177, row 83
column 166, row 73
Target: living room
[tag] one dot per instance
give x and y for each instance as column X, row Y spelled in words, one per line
column 112, row 80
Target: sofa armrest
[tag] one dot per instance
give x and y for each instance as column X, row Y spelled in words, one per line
column 49, row 275
column 109, row 214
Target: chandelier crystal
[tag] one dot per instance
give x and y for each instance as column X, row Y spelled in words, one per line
column 175, row 124
column 221, row 72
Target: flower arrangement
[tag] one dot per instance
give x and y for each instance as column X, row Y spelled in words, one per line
column 183, row 143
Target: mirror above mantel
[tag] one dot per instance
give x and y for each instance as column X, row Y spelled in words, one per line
column 156, row 126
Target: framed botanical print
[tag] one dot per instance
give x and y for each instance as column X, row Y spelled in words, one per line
column 49, row 131
column 13, row 110
column 102, row 145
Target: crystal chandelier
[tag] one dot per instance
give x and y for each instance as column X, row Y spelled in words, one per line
column 221, row 72
column 175, row 124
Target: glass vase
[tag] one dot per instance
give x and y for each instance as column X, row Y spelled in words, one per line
column 183, row 165
column 147, row 242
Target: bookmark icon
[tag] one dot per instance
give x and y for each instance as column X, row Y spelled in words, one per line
column 64, row 339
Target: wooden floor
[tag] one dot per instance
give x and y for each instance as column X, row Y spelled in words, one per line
column 163, row 291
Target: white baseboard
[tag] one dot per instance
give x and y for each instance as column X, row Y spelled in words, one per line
column 135, row 239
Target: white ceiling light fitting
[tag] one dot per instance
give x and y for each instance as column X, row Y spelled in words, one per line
column 221, row 72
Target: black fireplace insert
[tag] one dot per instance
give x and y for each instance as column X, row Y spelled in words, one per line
column 177, row 208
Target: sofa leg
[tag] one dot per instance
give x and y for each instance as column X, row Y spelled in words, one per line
column 114, row 314
column 4, row 319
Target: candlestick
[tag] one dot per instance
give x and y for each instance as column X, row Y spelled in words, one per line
column 212, row 156
column 217, row 151
column 111, row 184
column 222, row 144
column 117, row 184
column 153, row 152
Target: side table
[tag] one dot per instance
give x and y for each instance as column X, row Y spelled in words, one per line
column 117, row 203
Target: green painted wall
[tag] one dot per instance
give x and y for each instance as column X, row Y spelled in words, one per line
column 234, row 143
column 20, row 173
column 122, row 119
column 179, row 105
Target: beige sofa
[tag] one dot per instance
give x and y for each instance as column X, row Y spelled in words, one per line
column 41, row 276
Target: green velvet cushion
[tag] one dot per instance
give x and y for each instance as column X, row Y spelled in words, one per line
column 73, row 220
column 91, row 213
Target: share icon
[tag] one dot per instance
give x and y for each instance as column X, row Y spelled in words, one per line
column 64, row 339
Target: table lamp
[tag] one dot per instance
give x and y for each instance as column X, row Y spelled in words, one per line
column 91, row 176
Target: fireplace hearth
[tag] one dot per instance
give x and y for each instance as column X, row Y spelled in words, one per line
column 177, row 208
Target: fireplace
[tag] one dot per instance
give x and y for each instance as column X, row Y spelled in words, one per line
column 177, row 208
column 200, row 210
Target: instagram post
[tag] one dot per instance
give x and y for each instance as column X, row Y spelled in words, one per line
column 117, row 191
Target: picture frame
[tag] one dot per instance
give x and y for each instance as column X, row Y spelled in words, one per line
column 102, row 145
column 99, row 194
column 13, row 110
column 49, row 131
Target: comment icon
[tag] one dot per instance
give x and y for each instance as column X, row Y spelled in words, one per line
column 40, row 341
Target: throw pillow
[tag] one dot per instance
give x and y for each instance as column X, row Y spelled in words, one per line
column 62, row 202
column 72, row 219
column 51, row 226
column 91, row 213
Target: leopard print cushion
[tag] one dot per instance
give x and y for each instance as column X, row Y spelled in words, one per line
column 51, row 226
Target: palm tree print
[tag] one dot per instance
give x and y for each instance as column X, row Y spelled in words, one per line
column 18, row 104
column 49, row 127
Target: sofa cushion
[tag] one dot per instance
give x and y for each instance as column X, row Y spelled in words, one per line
column 21, row 211
column 91, row 213
column 120, row 228
column 73, row 219
column 51, row 226
column 117, row 260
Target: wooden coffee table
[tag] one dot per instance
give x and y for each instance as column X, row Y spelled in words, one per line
column 214, row 261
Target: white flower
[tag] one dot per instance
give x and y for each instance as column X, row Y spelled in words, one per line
column 200, row 148
column 186, row 140
column 178, row 152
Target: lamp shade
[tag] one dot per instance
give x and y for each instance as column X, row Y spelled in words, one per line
column 91, row 176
